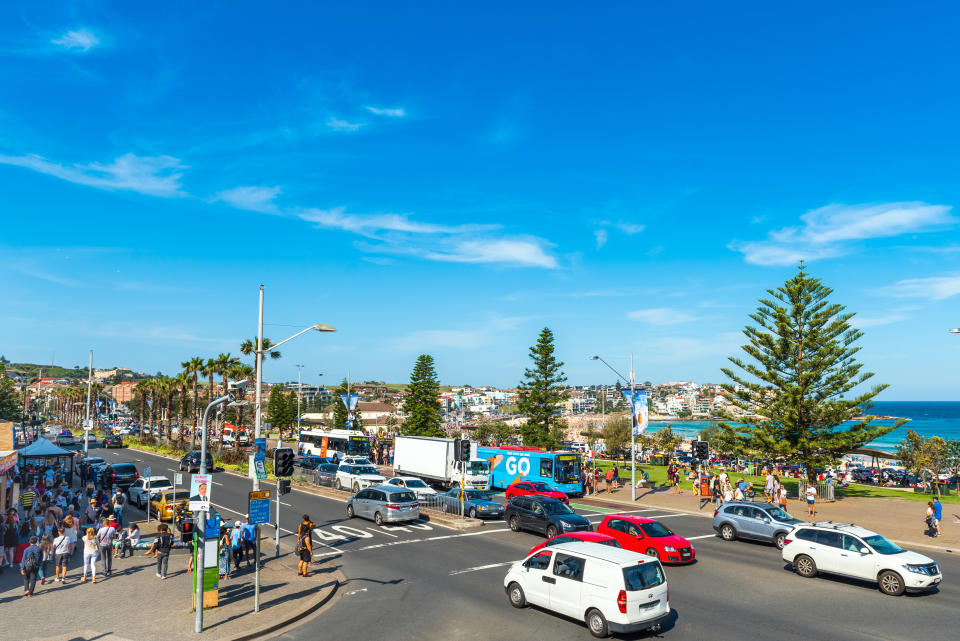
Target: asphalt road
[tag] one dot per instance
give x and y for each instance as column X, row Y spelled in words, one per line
column 426, row 582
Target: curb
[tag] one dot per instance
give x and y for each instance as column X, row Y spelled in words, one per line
column 294, row 617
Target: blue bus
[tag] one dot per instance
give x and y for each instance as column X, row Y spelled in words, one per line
column 559, row 470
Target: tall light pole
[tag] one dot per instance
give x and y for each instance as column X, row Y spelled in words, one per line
column 299, row 393
column 86, row 421
column 633, row 424
column 320, row 391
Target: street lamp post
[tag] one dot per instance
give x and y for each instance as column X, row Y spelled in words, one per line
column 86, row 422
column 633, row 424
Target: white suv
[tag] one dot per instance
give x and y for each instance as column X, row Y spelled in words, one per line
column 856, row 552
column 357, row 477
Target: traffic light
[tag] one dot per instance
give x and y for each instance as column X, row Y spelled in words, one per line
column 283, row 487
column 701, row 450
column 461, row 449
column 283, row 461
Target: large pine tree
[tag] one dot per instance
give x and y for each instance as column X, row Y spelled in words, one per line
column 9, row 403
column 541, row 393
column 801, row 366
column 422, row 402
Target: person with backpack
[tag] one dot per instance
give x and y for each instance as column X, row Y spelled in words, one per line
column 249, row 533
column 305, row 546
column 236, row 545
column 105, row 536
column 30, row 566
column 162, row 546
column 119, row 500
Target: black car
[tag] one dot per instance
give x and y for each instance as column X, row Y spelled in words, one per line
column 111, row 441
column 122, row 475
column 544, row 515
column 191, row 462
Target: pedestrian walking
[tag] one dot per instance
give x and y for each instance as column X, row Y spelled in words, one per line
column 30, row 566
column 768, row 488
column 928, row 519
column 28, row 498
column 162, row 546
column 119, row 500
column 46, row 547
column 236, row 545
column 249, row 535
column 305, row 546
column 937, row 514
column 224, row 553
column 90, row 551
column 616, row 477
column 811, row 499
column 10, row 538
column 105, row 536
column 783, row 497
column 62, row 547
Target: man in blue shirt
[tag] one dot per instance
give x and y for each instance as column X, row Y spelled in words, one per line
column 937, row 514
column 30, row 566
column 249, row 534
column 236, row 545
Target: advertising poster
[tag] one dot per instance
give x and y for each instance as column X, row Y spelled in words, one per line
column 200, row 487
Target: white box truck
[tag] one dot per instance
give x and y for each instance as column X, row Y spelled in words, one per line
column 434, row 460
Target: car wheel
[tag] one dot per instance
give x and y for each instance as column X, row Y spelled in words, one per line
column 597, row 624
column 337, row 484
column 378, row 518
column 727, row 532
column 779, row 539
column 805, row 566
column 517, row 598
column 349, row 511
column 473, row 513
column 891, row 583
column 514, row 524
column 551, row 531
column 356, row 488
column 652, row 552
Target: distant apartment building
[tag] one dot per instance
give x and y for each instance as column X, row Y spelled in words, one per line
column 123, row 392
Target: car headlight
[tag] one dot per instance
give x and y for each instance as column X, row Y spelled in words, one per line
column 669, row 548
column 920, row 569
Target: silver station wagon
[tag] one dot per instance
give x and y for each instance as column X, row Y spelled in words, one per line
column 384, row 504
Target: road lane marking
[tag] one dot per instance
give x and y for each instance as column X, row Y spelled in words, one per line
column 702, row 536
column 286, row 504
column 481, row 567
column 381, row 531
column 605, row 510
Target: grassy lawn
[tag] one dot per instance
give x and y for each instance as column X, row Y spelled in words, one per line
column 658, row 475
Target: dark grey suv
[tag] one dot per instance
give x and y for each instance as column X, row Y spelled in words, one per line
column 752, row 520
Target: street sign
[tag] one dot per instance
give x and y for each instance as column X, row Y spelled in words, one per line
column 177, row 478
column 147, row 472
column 259, row 508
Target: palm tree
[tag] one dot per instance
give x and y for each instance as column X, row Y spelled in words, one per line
column 209, row 369
column 240, row 372
column 182, row 386
column 153, row 388
column 194, row 367
column 249, row 347
column 141, row 389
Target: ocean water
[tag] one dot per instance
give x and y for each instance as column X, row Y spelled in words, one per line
column 927, row 418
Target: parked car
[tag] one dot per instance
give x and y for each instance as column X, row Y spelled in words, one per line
column 357, row 477
column 413, row 483
column 146, row 488
column 648, row 536
column 753, row 520
column 573, row 537
column 309, row 461
column 384, row 504
column 859, row 553
column 191, row 462
column 95, row 462
column 122, row 475
column 111, row 441
column 477, row 504
column 532, row 488
column 163, row 504
column 65, row 437
column 610, row 589
column 544, row 515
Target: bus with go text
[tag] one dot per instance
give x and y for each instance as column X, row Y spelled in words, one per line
column 511, row 464
column 333, row 445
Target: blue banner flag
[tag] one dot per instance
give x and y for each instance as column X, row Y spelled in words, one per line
column 638, row 403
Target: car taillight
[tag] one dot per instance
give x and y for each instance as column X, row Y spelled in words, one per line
column 393, row 506
column 622, row 601
column 716, row 512
column 787, row 541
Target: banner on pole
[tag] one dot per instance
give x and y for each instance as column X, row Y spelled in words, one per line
column 350, row 401
column 638, row 403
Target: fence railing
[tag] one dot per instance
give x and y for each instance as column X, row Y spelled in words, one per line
column 825, row 491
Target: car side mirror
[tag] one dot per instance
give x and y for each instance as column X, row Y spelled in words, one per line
column 864, row 551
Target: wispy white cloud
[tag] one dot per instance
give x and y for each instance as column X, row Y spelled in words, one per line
column 510, row 251
column 490, row 331
column 42, row 274
column 601, row 236
column 338, row 218
column 933, row 288
column 151, row 175
column 396, row 112
column 338, row 124
column 252, row 198
column 661, row 316
column 630, row 228
column 876, row 321
column 827, row 232
column 80, row 39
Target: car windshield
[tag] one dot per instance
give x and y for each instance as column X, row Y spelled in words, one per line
column 542, row 487
column 780, row 515
column 475, row 495
column 556, row 507
column 655, row 529
column 882, row 545
column 611, row 542
column 403, row 497
column 478, row 467
column 160, row 483
column 415, row 483
column 181, row 495
column 640, row 577
column 124, row 468
column 568, row 468
column 364, row 469
column 358, row 445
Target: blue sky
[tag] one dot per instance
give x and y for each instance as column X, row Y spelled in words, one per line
column 449, row 179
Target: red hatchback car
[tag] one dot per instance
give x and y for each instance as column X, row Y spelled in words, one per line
column 589, row 537
column 647, row 536
column 534, row 488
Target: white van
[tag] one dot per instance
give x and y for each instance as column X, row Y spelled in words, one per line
column 611, row 589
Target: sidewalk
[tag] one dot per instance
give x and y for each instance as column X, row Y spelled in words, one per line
column 134, row 605
column 901, row 521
